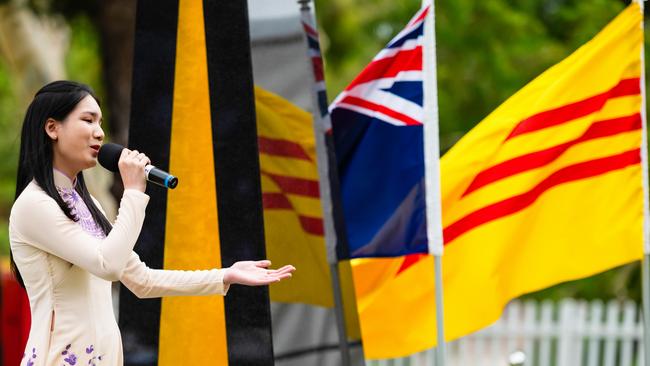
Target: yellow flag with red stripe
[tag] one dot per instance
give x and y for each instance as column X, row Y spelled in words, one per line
column 293, row 216
column 548, row 187
column 545, row 189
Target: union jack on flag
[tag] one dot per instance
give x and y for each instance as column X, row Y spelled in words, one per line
column 378, row 134
column 390, row 87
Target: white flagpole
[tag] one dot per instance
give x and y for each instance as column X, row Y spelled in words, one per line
column 321, row 124
column 645, row 264
column 432, row 168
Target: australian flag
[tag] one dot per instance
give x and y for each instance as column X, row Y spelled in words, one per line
column 377, row 126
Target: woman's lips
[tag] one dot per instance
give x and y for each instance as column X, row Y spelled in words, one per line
column 95, row 149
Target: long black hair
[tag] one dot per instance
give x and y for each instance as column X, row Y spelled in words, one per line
column 55, row 100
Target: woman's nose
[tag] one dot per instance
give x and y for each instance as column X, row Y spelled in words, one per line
column 99, row 134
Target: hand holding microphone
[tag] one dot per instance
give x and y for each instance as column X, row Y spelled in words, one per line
column 134, row 167
column 131, row 164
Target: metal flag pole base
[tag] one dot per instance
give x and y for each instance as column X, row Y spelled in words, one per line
column 340, row 317
column 440, row 348
column 645, row 285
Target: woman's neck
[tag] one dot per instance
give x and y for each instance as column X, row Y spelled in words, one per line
column 65, row 169
column 71, row 177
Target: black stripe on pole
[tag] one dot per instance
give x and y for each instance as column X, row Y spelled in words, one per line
column 150, row 132
column 237, row 175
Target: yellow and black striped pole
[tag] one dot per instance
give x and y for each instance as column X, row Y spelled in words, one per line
column 193, row 113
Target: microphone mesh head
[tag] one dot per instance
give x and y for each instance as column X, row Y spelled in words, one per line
column 109, row 155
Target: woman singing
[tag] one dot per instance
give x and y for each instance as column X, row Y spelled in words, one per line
column 64, row 250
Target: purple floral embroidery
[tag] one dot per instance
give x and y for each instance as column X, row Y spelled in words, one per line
column 80, row 211
column 30, row 361
column 91, row 362
column 72, row 359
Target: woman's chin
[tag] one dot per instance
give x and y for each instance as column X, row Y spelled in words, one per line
column 91, row 164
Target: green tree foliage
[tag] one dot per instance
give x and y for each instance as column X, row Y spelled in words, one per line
column 83, row 61
column 354, row 30
column 9, row 143
column 486, row 50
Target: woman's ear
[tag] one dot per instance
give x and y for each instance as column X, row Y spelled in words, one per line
column 52, row 128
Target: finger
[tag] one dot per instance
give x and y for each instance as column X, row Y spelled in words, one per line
column 281, row 277
column 286, row 269
column 279, row 273
column 286, row 275
column 263, row 263
column 146, row 159
column 272, row 279
column 269, row 280
column 142, row 159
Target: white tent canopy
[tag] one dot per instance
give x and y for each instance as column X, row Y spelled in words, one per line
column 280, row 63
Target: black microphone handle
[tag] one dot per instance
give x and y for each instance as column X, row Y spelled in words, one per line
column 160, row 177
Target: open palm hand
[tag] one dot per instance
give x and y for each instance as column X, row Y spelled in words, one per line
column 256, row 273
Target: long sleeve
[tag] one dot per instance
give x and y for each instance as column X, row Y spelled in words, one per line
column 37, row 220
column 145, row 282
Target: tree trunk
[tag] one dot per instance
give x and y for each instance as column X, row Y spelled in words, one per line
column 116, row 25
column 116, row 22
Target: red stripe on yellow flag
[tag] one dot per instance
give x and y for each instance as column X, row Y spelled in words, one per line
column 545, row 189
column 540, row 158
column 293, row 216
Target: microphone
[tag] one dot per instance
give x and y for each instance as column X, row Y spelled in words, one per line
column 109, row 156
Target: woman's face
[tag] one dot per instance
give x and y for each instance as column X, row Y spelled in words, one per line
column 77, row 139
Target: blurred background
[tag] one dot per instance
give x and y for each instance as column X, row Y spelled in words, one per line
column 486, row 52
